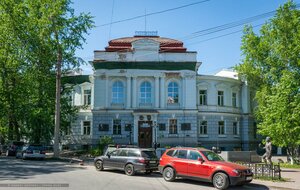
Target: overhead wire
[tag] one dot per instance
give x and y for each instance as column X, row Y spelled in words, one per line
column 153, row 13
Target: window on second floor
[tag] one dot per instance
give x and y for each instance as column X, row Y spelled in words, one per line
column 203, row 97
column 235, row 128
column 173, row 93
column 145, row 93
column 118, row 93
column 234, row 99
column 173, row 126
column 117, row 127
column 221, row 128
column 203, row 128
column 220, row 98
column 87, row 97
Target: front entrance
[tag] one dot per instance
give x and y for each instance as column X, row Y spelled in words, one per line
column 145, row 134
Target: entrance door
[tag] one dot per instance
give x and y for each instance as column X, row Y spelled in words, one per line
column 145, row 134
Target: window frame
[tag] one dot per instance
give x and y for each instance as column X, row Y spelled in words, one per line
column 117, row 127
column 220, row 98
column 87, row 97
column 172, row 91
column 173, row 126
column 117, row 90
column 221, row 128
column 234, row 99
column 203, row 128
column 86, row 129
column 145, row 92
column 203, row 97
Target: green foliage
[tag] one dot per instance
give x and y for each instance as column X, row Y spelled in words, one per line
column 271, row 65
column 32, row 32
column 104, row 142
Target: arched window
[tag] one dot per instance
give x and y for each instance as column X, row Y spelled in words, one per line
column 118, row 93
column 173, row 93
column 145, row 92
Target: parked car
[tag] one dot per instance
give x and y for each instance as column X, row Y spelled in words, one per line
column 33, row 151
column 130, row 160
column 204, row 165
column 13, row 147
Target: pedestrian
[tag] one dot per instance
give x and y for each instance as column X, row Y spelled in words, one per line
column 268, row 154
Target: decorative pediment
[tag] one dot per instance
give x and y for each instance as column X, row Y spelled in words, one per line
column 221, row 85
column 145, row 44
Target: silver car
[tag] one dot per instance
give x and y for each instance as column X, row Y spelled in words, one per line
column 33, row 151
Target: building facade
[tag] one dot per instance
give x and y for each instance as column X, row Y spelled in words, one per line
column 145, row 89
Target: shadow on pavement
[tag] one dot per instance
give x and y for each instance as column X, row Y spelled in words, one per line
column 12, row 168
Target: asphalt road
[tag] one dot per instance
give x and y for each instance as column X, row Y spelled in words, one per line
column 47, row 175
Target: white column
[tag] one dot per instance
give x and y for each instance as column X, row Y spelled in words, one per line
column 162, row 92
column 106, row 94
column 134, row 92
column 128, row 102
column 156, row 92
column 183, row 98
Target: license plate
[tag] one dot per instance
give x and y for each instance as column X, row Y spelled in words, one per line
column 152, row 162
column 249, row 178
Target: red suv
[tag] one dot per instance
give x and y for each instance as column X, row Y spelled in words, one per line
column 204, row 165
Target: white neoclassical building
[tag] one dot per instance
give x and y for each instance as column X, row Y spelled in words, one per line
column 145, row 89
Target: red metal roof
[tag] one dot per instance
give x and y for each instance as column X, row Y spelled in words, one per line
column 166, row 44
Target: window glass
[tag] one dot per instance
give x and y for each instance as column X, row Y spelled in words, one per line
column 145, row 92
column 173, row 93
column 220, row 98
column 181, row 154
column 118, row 93
column 211, row 156
column 202, row 96
column 148, row 154
column 170, row 152
column 87, row 97
column 221, row 128
column 173, row 126
column 117, row 127
column 233, row 99
column 123, row 153
column 133, row 153
column 203, row 128
column 194, row 155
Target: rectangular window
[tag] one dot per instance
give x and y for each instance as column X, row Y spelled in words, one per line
column 203, row 128
column 87, row 97
column 86, row 128
column 117, row 127
column 220, row 98
column 203, row 97
column 234, row 99
column 173, row 126
column 221, row 128
column 235, row 128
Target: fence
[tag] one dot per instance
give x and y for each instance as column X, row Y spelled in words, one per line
column 264, row 170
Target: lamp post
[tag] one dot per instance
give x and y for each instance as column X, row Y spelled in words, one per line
column 156, row 145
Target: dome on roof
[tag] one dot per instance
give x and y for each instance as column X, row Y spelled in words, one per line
column 125, row 44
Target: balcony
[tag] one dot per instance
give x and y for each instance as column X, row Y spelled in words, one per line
column 222, row 109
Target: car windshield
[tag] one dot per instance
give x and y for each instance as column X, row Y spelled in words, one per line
column 148, row 154
column 211, row 156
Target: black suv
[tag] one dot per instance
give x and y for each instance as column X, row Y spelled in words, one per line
column 130, row 160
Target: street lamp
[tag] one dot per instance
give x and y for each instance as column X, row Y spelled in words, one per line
column 156, row 145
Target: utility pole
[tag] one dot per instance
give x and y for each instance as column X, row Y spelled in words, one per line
column 57, row 100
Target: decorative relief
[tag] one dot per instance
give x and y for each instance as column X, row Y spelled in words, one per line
column 189, row 75
column 172, row 75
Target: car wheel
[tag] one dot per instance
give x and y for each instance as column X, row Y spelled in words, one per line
column 169, row 174
column 129, row 170
column 220, row 181
column 99, row 165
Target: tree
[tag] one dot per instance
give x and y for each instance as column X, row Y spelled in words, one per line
column 271, row 65
column 39, row 38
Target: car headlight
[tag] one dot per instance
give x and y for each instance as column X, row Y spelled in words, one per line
column 237, row 172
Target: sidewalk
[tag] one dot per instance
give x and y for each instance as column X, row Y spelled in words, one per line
column 291, row 175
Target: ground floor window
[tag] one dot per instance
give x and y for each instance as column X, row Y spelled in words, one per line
column 203, row 128
column 117, row 127
column 86, row 128
column 173, row 126
column 221, row 128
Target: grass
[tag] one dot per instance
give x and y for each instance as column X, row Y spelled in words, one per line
column 287, row 165
column 265, row 178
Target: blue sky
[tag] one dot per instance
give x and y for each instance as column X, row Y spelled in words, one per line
column 215, row 54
